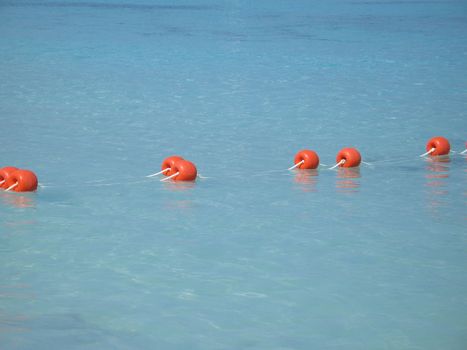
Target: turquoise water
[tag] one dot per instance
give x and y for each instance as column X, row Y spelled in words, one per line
column 94, row 95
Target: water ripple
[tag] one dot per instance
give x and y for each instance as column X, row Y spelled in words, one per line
column 108, row 6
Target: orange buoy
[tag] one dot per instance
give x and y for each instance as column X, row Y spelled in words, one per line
column 184, row 170
column 21, row 181
column 438, row 146
column 5, row 173
column 348, row 158
column 306, row 159
column 168, row 164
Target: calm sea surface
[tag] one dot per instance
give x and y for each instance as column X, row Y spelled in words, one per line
column 95, row 94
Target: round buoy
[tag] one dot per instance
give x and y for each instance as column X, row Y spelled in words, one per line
column 348, row 158
column 21, row 181
column 438, row 146
column 306, row 159
column 186, row 171
column 169, row 164
column 5, row 173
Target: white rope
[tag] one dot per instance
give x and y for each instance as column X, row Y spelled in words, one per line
column 342, row 161
column 296, row 165
column 2, row 182
column 137, row 180
column 171, row 176
column 12, row 186
column 160, row 172
column 427, row 153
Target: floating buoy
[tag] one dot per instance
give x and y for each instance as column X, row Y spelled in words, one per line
column 437, row 146
column 306, row 159
column 21, row 181
column 5, row 173
column 348, row 158
column 183, row 170
column 167, row 166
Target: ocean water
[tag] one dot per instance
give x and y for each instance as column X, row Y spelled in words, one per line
column 95, row 94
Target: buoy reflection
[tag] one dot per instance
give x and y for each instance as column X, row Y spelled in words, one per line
column 177, row 186
column 307, row 180
column 17, row 200
column 348, row 180
column 437, row 173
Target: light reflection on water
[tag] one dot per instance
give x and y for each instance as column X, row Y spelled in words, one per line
column 179, row 186
column 17, row 200
column 306, row 180
column 348, row 180
column 233, row 90
column 437, row 175
column 13, row 323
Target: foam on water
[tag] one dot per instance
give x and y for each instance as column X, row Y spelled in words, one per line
column 95, row 94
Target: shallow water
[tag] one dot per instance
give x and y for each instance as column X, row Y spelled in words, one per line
column 94, row 95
